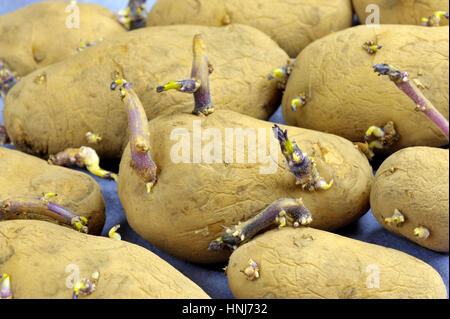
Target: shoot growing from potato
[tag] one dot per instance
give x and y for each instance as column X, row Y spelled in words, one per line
column 252, row 270
column 81, row 157
column 435, row 19
column 371, row 47
column 83, row 45
column 198, row 84
column 141, row 161
column 86, row 286
column 378, row 138
column 396, row 219
column 300, row 164
column 281, row 75
column 4, row 138
column 298, row 101
column 134, row 16
column 41, row 208
column 93, row 138
column 7, row 79
column 401, row 80
column 274, row 214
column 113, row 233
column 5, row 287
column 421, row 232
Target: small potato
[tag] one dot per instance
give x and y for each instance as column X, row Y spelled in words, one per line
column 308, row 263
column 48, row 32
column 292, row 24
column 344, row 95
column 75, row 98
column 30, row 177
column 44, row 261
column 399, row 11
column 414, row 182
column 228, row 180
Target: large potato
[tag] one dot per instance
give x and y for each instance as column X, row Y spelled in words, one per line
column 45, row 33
column 308, row 263
column 345, row 96
column 42, row 259
column 400, row 11
column 75, row 97
column 190, row 202
column 25, row 175
column 415, row 182
column 293, row 24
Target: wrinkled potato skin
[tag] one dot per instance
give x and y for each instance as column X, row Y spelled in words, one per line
column 345, row 96
column 36, row 254
column 37, row 35
column 292, row 24
column 401, row 11
column 415, row 181
column 307, row 263
column 241, row 56
column 25, row 175
column 190, row 203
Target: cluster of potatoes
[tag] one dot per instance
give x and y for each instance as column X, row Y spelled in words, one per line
column 59, row 103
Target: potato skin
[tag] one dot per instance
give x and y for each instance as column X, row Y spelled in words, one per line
column 307, row 263
column 127, row 271
column 242, row 58
column 26, row 175
column 345, row 96
column 415, row 181
column 190, row 202
column 401, row 11
column 37, row 35
column 292, row 24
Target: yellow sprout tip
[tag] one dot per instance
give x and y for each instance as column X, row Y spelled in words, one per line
column 149, row 186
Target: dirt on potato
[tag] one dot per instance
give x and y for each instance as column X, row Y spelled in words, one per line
column 44, row 260
column 75, row 98
column 307, row 263
column 195, row 196
column 344, row 95
column 31, row 177
column 48, row 32
column 415, row 182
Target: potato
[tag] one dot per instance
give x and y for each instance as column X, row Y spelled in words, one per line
column 190, row 202
column 242, row 58
column 58, row 255
column 345, row 96
column 414, row 181
column 308, row 263
column 25, row 175
column 292, row 24
column 400, row 11
column 38, row 35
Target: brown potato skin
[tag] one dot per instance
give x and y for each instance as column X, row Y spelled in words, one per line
column 401, row 11
column 415, row 181
column 190, row 202
column 292, row 24
column 76, row 97
column 307, row 263
column 26, row 175
column 127, row 271
column 36, row 35
column 345, row 96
